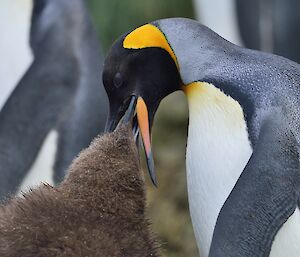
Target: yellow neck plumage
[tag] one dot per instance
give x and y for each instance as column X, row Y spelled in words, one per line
column 148, row 36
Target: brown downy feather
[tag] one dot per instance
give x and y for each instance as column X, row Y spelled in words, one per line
column 98, row 211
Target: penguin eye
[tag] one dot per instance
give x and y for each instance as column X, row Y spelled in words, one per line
column 118, row 80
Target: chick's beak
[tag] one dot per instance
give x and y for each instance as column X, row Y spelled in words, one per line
column 128, row 116
column 141, row 125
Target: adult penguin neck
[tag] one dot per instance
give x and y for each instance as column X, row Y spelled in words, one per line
column 244, row 75
column 249, row 77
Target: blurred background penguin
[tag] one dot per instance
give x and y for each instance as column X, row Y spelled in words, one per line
column 58, row 105
column 267, row 25
column 53, row 103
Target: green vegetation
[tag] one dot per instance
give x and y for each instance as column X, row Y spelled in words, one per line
column 115, row 17
column 167, row 205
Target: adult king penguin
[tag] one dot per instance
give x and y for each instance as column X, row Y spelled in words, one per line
column 243, row 119
column 59, row 92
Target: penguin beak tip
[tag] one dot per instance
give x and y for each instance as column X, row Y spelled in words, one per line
column 151, row 169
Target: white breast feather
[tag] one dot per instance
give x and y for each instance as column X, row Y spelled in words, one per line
column 16, row 57
column 287, row 240
column 218, row 149
column 15, row 52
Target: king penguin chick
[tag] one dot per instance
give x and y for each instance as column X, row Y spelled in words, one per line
column 243, row 136
column 98, row 210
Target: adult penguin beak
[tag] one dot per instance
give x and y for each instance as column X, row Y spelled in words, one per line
column 141, row 125
column 145, row 131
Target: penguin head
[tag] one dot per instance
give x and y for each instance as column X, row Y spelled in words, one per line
column 140, row 65
column 149, row 74
column 150, row 63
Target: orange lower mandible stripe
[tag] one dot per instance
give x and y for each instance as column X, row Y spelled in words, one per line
column 143, row 121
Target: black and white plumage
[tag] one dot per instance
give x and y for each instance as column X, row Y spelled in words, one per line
column 271, row 26
column 267, row 25
column 264, row 204
column 220, row 16
column 243, row 135
column 60, row 91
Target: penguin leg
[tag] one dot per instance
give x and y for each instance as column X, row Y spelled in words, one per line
column 264, row 197
column 28, row 116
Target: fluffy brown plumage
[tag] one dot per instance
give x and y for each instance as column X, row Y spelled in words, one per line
column 98, row 210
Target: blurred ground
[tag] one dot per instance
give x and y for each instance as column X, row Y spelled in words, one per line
column 167, row 205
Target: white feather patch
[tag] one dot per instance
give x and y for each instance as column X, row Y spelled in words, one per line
column 42, row 168
column 287, row 240
column 218, row 149
column 15, row 52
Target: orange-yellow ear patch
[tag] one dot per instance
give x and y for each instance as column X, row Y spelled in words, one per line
column 148, row 36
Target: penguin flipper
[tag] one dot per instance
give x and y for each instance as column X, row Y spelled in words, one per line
column 264, row 197
column 83, row 123
column 31, row 111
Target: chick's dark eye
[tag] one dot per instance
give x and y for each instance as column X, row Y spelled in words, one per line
column 118, row 80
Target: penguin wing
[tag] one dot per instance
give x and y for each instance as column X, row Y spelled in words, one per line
column 84, row 121
column 26, row 118
column 264, row 197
